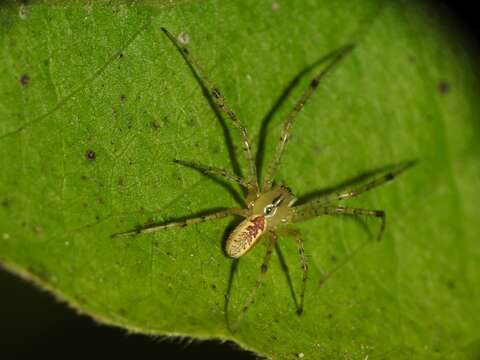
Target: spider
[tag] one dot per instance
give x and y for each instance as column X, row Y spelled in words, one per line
column 270, row 208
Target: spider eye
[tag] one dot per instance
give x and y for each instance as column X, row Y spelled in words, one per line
column 269, row 210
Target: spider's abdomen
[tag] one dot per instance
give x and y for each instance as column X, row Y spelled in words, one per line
column 245, row 235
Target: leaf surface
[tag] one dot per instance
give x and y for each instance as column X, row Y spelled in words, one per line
column 95, row 103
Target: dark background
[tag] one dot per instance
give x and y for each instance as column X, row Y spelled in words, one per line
column 33, row 324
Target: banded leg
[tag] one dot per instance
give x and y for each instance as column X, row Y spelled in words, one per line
column 219, row 101
column 272, row 237
column 347, row 194
column 303, row 263
column 287, row 124
column 311, row 210
column 206, row 169
column 182, row 223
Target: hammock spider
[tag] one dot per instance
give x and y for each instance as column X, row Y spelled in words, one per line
column 270, row 207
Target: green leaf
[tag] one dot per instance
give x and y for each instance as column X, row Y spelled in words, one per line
column 95, row 103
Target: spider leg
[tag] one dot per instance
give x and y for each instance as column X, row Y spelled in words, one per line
column 272, row 237
column 314, row 209
column 183, row 223
column 219, row 101
column 347, row 194
column 303, row 263
column 287, row 124
column 216, row 171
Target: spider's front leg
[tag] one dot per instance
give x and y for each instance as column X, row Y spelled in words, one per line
column 206, row 169
column 221, row 104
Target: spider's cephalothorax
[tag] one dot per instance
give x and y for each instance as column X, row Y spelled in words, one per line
column 265, row 213
column 271, row 209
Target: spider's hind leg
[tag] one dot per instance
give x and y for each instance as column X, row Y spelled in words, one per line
column 303, row 263
column 182, row 223
column 272, row 237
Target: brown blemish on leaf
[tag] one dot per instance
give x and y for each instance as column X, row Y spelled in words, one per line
column 90, row 155
column 451, row 284
column 155, row 125
column 24, row 80
column 443, row 87
column 122, row 312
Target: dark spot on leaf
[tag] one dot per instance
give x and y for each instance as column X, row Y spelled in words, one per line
column 274, row 338
column 85, row 205
column 120, row 56
column 451, row 284
column 97, row 217
column 330, row 315
column 275, row 320
column 122, row 98
column 6, row 203
column 84, row 177
column 81, row 299
column 24, row 80
column 90, row 155
column 333, row 258
column 214, row 287
column 155, row 125
column 443, row 87
column 122, row 312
